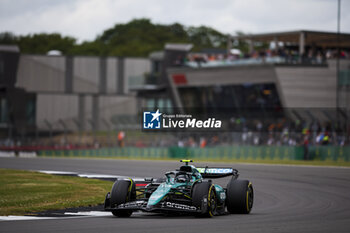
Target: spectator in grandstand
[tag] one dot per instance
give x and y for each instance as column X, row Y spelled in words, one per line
column 319, row 58
column 319, row 138
column 199, row 59
column 179, row 61
column 180, row 143
column 191, row 142
column 291, row 142
column 256, row 140
column 203, row 142
column 262, row 55
column 271, row 140
column 121, row 136
column 326, row 139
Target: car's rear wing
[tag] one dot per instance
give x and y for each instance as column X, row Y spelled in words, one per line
column 217, row 172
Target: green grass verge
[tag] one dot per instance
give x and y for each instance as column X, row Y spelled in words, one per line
column 25, row 192
column 221, row 160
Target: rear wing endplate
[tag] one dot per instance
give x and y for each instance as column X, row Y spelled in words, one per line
column 217, row 172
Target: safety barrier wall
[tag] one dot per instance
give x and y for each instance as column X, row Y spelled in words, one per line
column 240, row 152
column 321, row 153
column 126, row 152
column 334, row 153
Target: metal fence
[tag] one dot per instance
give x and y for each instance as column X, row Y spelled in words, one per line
column 219, row 153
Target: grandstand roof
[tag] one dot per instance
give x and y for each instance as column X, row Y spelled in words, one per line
column 9, row 48
column 324, row 39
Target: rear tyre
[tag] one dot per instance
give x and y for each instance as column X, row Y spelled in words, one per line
column 240, row 197
column 122, row 193
column 205, row 191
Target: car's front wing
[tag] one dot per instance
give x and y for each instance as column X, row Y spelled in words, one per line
column 163, row 207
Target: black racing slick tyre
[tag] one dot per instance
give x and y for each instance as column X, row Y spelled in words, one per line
column 122, row 192
column 240, row 197
column 204, row 196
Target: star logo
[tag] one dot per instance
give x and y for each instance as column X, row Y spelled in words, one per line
column 156, row 115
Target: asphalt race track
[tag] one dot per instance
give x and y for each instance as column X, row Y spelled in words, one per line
column 287, row 199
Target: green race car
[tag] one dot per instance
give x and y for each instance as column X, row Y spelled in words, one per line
column 185, row 190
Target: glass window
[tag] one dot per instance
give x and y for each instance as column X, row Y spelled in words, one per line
column 2, row 67
column 150, row 104
column 30, row 110
column 3, row 110
column 230, row 96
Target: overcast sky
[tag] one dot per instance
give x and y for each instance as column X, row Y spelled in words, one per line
column 85, row 19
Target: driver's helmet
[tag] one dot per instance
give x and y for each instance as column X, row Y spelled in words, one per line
column 181, row 178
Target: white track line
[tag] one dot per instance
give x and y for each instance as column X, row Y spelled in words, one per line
column 88, row 175
column 90, row 213
column 69, row 215
column 56, row 172
column 17, row 218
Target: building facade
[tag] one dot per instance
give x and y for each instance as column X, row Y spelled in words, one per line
column 79, row 93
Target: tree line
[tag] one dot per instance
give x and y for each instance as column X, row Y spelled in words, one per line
column 137, row 38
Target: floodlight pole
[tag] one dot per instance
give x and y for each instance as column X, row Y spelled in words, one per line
column 338, row 66
column 229, row 44
column 338, row 56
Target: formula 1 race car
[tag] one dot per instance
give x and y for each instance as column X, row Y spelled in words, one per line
column 182, row 191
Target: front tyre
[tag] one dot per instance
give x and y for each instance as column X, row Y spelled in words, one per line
column 204, row 196
column 240, row 197
column 122, row 192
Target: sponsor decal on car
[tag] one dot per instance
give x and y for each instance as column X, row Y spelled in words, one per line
column 215, row 170
column 167, row 204
column 222, row 196
column 134, row 204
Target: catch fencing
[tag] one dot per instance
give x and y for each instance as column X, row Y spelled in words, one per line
column 284, row 153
